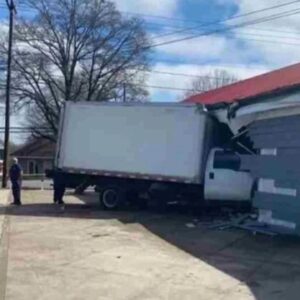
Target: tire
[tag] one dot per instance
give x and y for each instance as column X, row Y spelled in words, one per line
column 111, row 198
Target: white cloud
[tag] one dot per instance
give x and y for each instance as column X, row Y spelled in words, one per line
column 155, row 7
column 269, row 43
column 217, row 48
column 277, row 34
column 208, row 46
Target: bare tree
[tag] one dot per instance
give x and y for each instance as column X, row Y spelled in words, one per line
column 75, row 50
column 216, row 79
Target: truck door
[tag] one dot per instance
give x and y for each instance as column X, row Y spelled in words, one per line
column 223, row 180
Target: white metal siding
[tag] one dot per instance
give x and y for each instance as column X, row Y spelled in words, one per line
column 165, row 140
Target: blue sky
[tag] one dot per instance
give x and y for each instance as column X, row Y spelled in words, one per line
column 244, row 52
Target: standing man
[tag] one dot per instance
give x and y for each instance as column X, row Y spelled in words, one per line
column 15, row 175
column 59, row 186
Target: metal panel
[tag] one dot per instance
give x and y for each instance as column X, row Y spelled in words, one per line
column 275, row 122
column 268, row 186
column 276, row 140
column 286, row 127
column 275, row 201
column 279, row 164
column 288, row 183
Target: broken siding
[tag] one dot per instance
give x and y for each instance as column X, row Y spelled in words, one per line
column 277, row 169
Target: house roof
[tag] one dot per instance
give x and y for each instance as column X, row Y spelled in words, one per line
column 276, row 81
column 37, row 147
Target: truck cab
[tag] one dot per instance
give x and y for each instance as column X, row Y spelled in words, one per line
column 223, row 180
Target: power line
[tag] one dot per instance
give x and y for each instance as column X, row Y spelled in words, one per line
column 248, row 23
column 221, row 65
column 121, row 84
column 189, row 75
column 23, row 6
column 235, row 17
column 253, row 29
column 26, row 128
column 183, row 74
column 184, row 29
column 278, row 39
column 216, row 31
column 166, row 88
column 198, row 28
column 243, row 36
column 199, row 22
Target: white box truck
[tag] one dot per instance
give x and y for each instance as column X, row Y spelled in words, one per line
column 167, row 151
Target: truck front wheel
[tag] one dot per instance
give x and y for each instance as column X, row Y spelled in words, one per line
column 111, row 198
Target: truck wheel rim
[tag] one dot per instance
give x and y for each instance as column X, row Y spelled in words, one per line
column 110, row 198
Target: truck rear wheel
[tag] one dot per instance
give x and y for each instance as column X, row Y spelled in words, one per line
column 111, row 198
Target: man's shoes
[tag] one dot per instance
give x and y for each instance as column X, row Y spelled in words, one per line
column 61, row 202
column 16, row 203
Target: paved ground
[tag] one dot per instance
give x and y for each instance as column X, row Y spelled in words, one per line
column 85, row 253
column 3, row 241
column 37, row 184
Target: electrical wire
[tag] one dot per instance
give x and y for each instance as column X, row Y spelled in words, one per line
column 293, row 35
column 239, row 25
column 223, row 20
column 239, row 16
column 226, row 29
column 234, row 17
column 184, row 29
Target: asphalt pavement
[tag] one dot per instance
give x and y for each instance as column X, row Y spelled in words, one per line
column 79, row 251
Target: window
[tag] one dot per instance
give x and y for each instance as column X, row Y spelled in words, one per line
column 36, row 168
column 227, row 160
column 33, row 167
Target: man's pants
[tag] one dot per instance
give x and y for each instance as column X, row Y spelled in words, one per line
column 16, row 190
column 59, row 194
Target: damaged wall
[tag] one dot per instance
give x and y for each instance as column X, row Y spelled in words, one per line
column 277, row 170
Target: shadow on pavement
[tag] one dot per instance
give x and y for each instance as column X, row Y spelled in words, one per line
column 270, row 267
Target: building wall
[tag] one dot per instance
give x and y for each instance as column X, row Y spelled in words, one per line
column 277, row 170
column 35, row 166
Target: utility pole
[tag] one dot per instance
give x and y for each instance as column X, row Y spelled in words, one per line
column 12, row 11
column 124, row 92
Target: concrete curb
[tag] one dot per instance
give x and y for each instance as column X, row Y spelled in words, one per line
column 4, row 196
column 4, row 200
column 4, row 224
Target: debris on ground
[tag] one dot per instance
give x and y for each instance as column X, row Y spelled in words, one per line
column 227, row 218
column 246, row 222
column 190, row 225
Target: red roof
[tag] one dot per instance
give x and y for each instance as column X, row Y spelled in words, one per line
column 275, row 81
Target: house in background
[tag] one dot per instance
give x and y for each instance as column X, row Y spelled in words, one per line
column 36, row 156
column 1, row 149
